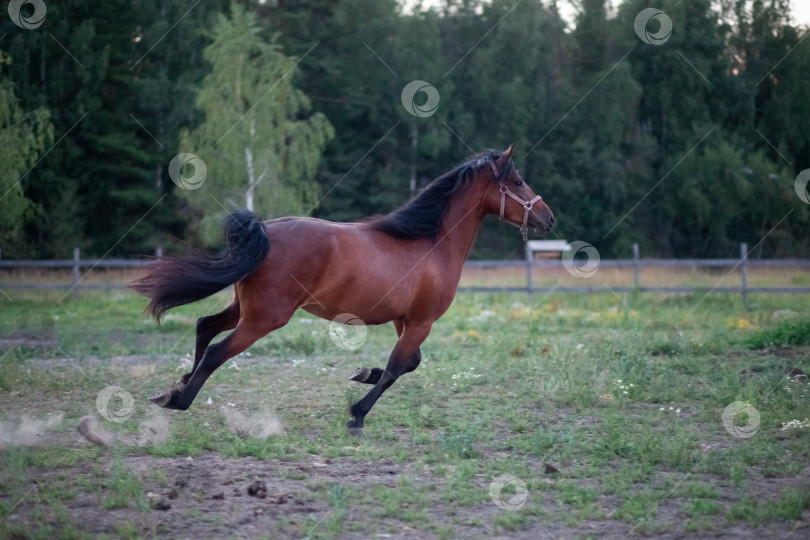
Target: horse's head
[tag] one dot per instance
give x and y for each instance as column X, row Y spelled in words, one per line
column 513, row 200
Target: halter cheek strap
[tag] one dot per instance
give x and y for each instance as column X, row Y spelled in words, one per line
column 527, row 205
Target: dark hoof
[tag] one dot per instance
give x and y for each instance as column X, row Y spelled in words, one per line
column 167, row 400
column 161, row 399
column 354, row 427
column 360, row 374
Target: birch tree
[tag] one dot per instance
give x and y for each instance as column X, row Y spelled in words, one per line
column 260, row 149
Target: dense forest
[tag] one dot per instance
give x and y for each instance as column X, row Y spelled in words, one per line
column 683, row 130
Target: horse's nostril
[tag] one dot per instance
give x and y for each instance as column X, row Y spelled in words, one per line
column 551, row 219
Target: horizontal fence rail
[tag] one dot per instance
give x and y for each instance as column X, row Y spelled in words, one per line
column 77, row 264
column 636, row 264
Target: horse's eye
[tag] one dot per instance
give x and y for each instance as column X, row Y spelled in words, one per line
column 518, row 182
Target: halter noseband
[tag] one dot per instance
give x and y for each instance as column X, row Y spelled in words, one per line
column 527, row 205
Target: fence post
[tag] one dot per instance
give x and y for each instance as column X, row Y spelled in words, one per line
column 744, row 270
column 635, row 266
column 529, row 284
column 75, row 273
column 159, row 252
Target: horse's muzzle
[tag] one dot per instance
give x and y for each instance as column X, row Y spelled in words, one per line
column 543, row 224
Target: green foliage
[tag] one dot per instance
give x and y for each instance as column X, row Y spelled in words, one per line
column 259, row 151
column 23, row 136
column 96, row 186
column 688, row 148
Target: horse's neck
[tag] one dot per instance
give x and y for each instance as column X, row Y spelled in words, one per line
column 460, row 226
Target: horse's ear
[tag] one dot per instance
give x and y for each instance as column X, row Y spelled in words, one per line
column 507, row 154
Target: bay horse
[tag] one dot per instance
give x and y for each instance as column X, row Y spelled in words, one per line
column 403, row 267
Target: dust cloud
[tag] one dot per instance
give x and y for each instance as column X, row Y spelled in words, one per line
column 258, row 425
column 30, row 431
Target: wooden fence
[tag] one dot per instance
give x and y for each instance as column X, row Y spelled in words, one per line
column 741, row 264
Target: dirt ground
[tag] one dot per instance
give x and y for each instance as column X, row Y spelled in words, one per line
column 208, row 496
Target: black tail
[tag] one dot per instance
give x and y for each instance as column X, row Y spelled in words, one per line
column 175, row 281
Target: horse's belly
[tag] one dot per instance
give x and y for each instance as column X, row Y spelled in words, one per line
column 351, row 314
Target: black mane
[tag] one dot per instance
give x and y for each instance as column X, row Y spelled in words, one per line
column 422, row 216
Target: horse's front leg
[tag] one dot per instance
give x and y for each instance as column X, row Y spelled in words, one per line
column 366, row 375
column 372, row 375
column 404, row 358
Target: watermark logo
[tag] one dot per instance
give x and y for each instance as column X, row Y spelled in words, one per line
column 115, row 404
column 800, row 185
column 187, row 171
column 409, row 93
column 345, row 18
column 507, row 501
column 741, row 420
column 36, row 324
column 642, row 26
column 27, row 14
column 427, row 414
column 348, row 331
column 661, row 336
column 573, row 266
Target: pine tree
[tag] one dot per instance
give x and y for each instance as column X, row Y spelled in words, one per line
column 168, row 65
column 23, row 137
column 45, row 76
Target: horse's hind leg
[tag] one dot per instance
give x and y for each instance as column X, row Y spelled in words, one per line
column 254, row 322
column 208, row 328
column 247, row 332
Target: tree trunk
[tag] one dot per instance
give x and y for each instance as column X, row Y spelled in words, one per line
column 414, row 145
column 251, row 179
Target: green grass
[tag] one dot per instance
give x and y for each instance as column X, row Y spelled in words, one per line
column 623, row 395
column 791, row 332
column 121, row 487
column 788, row 505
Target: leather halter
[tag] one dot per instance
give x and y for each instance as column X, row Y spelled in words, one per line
column 527, row 205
